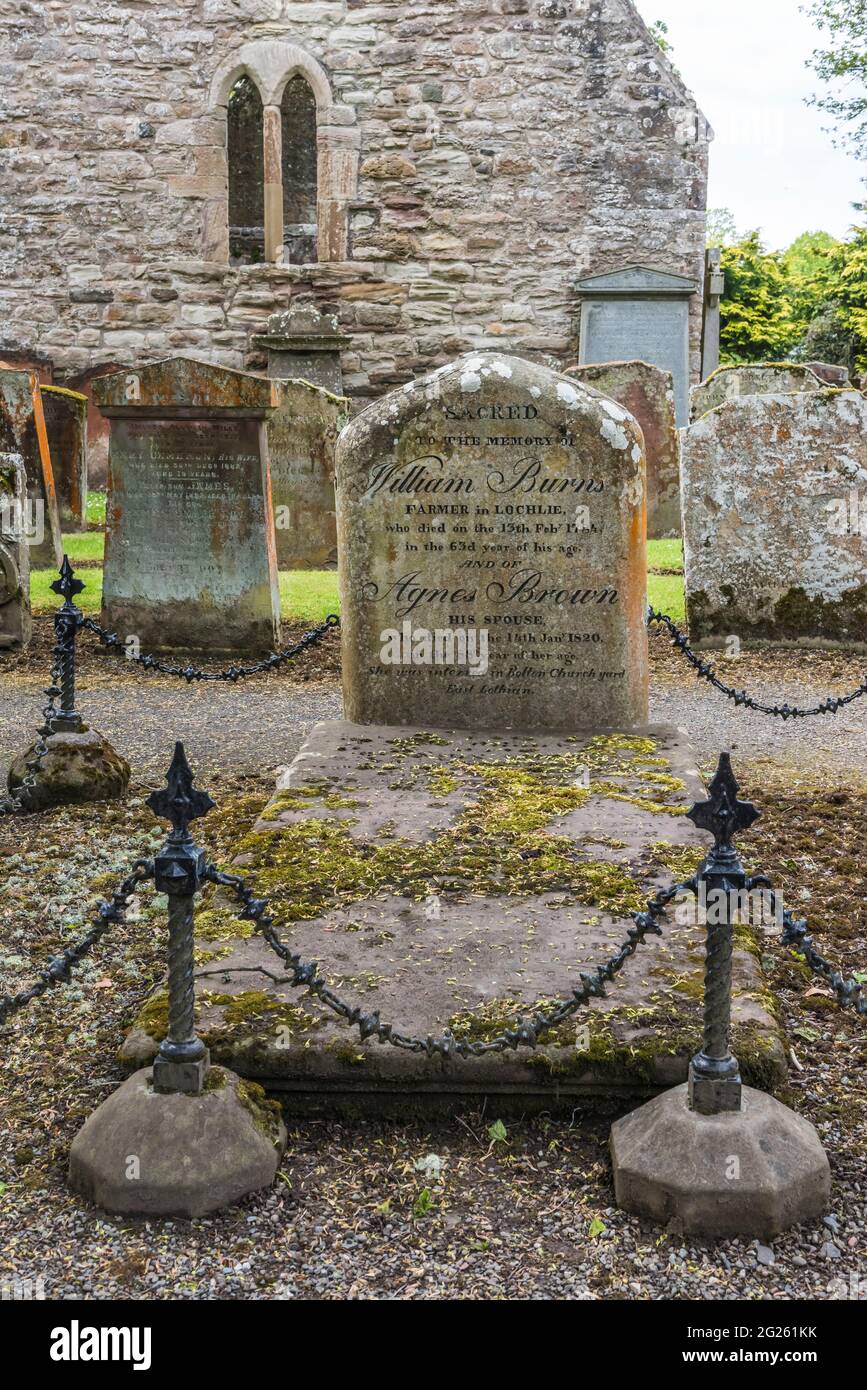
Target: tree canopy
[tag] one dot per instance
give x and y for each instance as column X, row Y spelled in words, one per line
column 807, row 303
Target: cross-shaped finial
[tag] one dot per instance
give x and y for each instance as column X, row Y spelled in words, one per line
column 179, row 801
column 723, row 815
column 67, row 585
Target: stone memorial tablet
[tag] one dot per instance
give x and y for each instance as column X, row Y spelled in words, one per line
column 775, row 520
column 302, row 437
column 190, row 560
column 647, row 392
column 304, row 343
column 22, row 431
column 639, row 313
column 66, row 426
column 492, row 526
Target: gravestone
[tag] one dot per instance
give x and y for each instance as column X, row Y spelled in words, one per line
column 97, row 425
column 190, row 560
column 639, row 313
column 302, row 437
column 15, row 621
column 759, row 379
column 492, row 535
column 775, row 520
column 66, row 426
column 304, row 343
column 22, row 431
column 647, row 392
column 831, row 374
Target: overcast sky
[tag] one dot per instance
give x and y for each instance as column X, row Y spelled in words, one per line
column 771, row 163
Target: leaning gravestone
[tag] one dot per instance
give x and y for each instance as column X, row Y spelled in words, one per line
column 647, row 392
column 66, row 427
column 15, row 622
column 302, row 437
column 190, row 559
column 496, row 503
column 762, row 379
column 22, row 431
column 775, row 519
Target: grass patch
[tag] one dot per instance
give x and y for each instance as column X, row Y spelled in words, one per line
column 665, row 593
column 96, row 508
column 665, row 557
column 308, row 596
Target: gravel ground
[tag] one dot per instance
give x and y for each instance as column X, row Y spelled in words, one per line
column 381, row 1210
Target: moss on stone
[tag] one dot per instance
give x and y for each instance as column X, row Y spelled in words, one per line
column 266, row 1114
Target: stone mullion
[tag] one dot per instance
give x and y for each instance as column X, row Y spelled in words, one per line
column 272, row 136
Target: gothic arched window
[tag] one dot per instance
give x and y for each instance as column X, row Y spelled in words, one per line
column 299, row 170
column 246, row 173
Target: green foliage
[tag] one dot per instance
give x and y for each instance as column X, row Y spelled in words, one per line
column 807, row 303
column 721, row 227
column 842, row 65
column 659, row 30
column 755, row 315
column 497, row 1132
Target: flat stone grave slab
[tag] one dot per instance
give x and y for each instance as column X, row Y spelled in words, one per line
column 453, row 880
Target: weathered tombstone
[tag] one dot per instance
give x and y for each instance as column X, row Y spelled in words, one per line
column 757, row 379
column 304, row 343
column 15, row 622
column 639, row 313
column 22, row 431
column 97, row 425
column 498, row 506
column 647, row 392
column 302, row 437
column 190, row 559
column 829, row 373
column 774, row 493
column 66, row 426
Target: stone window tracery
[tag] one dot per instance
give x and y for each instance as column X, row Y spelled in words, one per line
column 292, row 157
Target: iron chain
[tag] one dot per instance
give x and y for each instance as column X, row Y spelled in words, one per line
column 832, row 705
column 526, row 1031
column 60, row 968
column 230, row 673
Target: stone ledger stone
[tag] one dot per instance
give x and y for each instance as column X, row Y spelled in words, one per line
column 640, row 313
column 492, row 535
column 22, row 431
column 674, row 1167
column 761, row 379
column 455, row 880
column 66, row 427
column 647, row 392
column 196, row 1154
column 302, row 438
column 15, row 620
column 190, row 553
column 772, row 501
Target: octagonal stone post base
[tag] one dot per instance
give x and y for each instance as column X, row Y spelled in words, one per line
column 751, row 1172
column 153, row 1153
column 78, row 766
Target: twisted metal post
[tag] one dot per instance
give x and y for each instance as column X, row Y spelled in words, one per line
column 182, row 1061
column 67, row 621
column 714, row 1074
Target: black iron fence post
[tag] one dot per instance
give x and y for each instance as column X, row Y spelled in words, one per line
column 66, row 720
column 182, row 1061
column 714, row 1074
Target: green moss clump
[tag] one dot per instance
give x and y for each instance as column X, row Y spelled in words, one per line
column 215, row 1080
column 153, row 1016
column 220, row 924
column 266, row 1113
column 682, row 861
